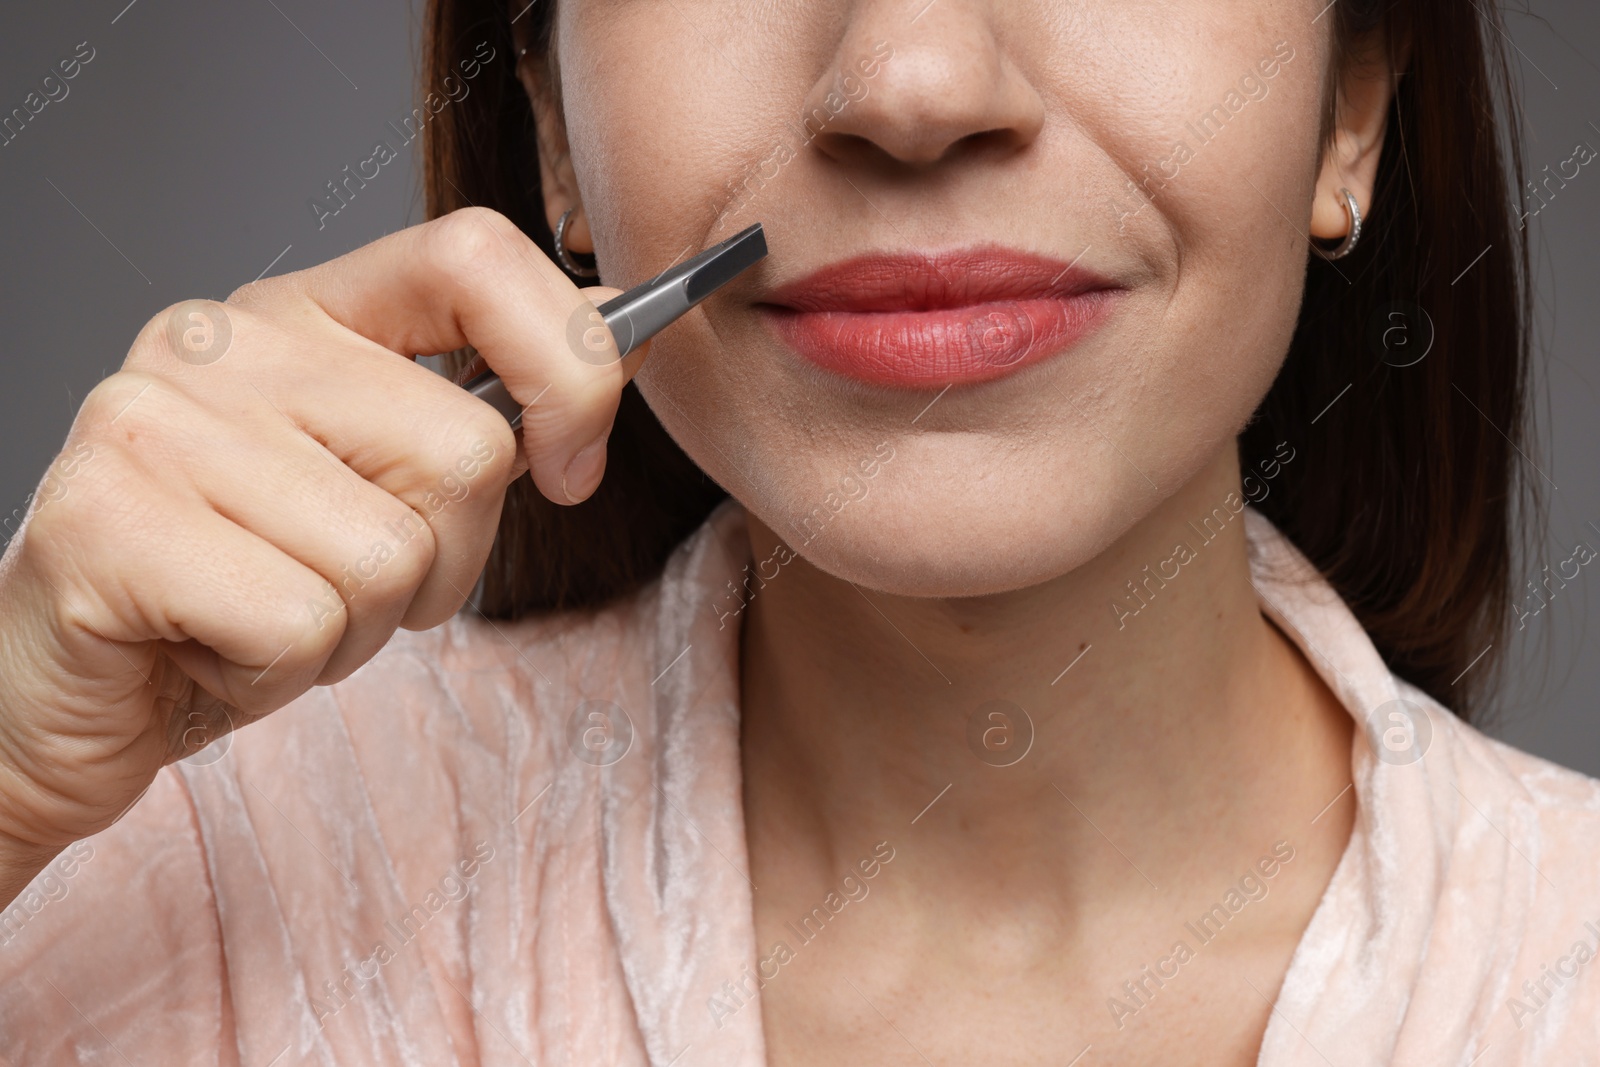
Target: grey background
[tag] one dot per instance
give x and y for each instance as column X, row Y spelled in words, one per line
column 180, row 163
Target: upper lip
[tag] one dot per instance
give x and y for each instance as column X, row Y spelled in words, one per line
column 931, row 281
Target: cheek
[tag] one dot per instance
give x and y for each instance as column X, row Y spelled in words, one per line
column 1221, row 187
column 681, row 149
column 998, row 486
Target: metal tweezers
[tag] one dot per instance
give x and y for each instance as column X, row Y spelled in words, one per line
column 646, row 310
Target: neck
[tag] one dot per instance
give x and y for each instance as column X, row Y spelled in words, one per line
column 1140, row 701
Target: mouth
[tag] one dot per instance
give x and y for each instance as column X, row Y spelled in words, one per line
column 919, row 320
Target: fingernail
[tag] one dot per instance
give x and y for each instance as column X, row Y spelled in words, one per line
column 583, row 472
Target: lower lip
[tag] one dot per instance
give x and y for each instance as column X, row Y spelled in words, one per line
column 946, row 346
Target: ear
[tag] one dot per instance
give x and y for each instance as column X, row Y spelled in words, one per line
column 1365, row 87
column 557, row 180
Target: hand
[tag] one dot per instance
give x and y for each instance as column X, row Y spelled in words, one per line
column 264, row 492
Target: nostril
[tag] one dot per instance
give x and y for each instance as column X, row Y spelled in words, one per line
column 1000, row 139
column 859, row 151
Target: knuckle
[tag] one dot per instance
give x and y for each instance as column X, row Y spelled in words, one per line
column 248, row 294
column 316, row 620
column 393, row 560
column 489, row 452
column 412, row 561
column 307, row 644
column 264, row 291
column 482, row 433
column 71, row 609
column 154, row 338
column 504, row 453
column 479, row 456
column 310, row 626
column 197, row 332
column 471, row 239
column 414, row 550
column 128, row 394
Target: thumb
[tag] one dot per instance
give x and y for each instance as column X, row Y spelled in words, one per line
column 586, row 340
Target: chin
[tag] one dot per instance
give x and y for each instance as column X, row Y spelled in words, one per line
column 919, row 533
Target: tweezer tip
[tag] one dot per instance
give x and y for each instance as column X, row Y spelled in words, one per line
column 756, row 236
column 738, row 252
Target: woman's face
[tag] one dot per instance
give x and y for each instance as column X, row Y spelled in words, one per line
column 1166, row 151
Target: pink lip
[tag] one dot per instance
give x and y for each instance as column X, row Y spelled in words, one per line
column 917, row 320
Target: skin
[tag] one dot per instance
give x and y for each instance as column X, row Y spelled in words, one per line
column 1189, row 740
column 155, row 585
column 156, row 597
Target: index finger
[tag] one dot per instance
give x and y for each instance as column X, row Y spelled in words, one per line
column 473, row 278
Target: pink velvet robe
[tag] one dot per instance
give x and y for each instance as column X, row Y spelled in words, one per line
column 443, row 861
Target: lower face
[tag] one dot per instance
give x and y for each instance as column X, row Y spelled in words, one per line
column 959, row 423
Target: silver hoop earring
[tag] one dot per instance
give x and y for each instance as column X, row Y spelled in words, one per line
column 564, row 257
column 1354, row 211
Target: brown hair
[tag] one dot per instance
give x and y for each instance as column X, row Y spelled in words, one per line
column 1406, row 497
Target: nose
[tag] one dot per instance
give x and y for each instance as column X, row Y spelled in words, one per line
column 946, row 86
